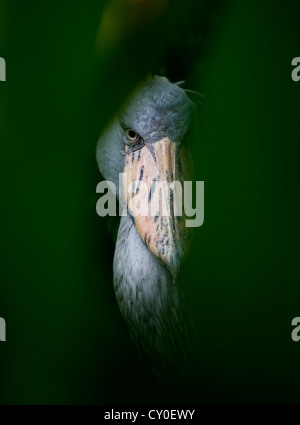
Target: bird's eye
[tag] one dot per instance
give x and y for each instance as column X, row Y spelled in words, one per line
column 132, row 136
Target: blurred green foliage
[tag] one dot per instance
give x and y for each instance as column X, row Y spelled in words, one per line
column 69, row 68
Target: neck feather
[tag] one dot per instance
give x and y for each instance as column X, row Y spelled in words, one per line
column 148, row 298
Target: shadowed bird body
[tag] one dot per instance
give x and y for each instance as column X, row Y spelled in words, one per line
column 150, row 301
column 153, row 130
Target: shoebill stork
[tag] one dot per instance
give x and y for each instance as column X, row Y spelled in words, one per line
column 149, row 142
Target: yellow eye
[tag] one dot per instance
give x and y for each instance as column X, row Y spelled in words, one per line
column 132, row 136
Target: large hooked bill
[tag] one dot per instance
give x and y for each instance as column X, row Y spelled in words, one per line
column 152, row 190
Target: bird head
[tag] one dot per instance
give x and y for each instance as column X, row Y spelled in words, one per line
column 149, row 143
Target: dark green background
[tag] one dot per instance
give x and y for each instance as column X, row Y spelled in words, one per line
column 66, row 341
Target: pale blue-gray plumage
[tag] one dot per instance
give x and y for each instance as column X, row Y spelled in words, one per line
column 149, row 296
